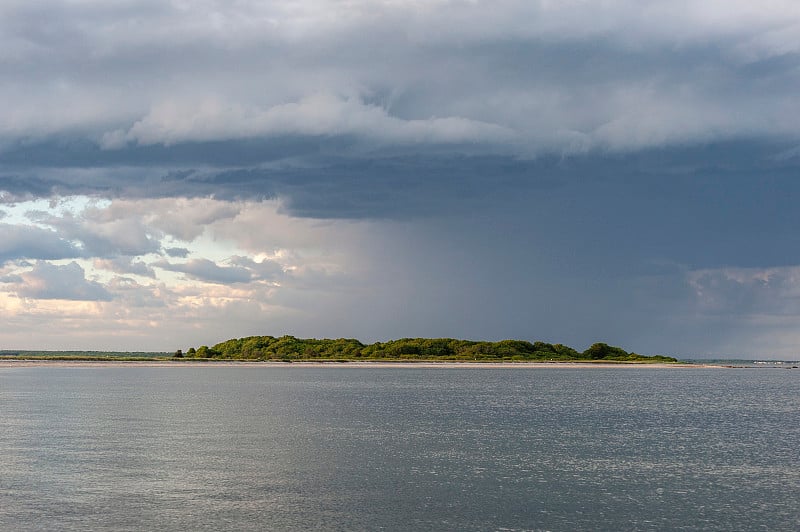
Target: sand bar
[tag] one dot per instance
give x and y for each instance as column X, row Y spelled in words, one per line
column 18, row 363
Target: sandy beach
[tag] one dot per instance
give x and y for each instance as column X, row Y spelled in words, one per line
column 17, row 363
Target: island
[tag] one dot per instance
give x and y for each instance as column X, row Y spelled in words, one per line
column 290, row 349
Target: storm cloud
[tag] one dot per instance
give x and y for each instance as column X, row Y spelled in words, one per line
column 568, row 171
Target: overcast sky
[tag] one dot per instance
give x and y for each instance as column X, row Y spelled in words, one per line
column 178, row 173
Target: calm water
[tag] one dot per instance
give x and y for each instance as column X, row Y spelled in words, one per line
column 132, row 448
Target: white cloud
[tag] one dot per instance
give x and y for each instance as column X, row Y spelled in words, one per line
column 251, row 272
column 261, row 270
column 49, row 281
column 322, row 114
column 748, row 291
column 105, row 238
column 182, row 218
column 401, row 72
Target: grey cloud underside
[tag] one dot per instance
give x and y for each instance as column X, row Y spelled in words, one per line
column 397, row 110
column 122, row 237
column 527, row 167
column 125, row 265
column 48, row 281
column 177, row 252
column 208, row 271
column 522, row 77
column 240, row 270
column 698, row 205
column 28, row 242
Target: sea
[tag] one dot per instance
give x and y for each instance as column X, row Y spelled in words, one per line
column 399, row 448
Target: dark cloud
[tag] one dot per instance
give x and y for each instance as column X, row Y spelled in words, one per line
column 16, row 188
column 181, row 253
column 704, row 206
column 241, row 270
column 29, row 242
column 125, row 265
column 383, row 112
column 616, row 77
column 527, row 166
column 209, row 271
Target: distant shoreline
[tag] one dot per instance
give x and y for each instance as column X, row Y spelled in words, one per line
column 169, row 363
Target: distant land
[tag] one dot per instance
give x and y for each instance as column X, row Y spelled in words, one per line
column 289, row 348
column 129, row 356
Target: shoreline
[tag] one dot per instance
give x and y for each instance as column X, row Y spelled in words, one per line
column 11, row 363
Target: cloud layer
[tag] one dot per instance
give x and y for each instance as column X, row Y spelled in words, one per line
column 568, row 171
column 529, row 76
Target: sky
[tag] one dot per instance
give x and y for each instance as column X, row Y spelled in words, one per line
column 177, row 173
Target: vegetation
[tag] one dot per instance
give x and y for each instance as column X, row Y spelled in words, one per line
column 112, row 356
column 289, row 348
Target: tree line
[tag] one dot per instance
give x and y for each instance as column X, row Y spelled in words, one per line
column 289, row 348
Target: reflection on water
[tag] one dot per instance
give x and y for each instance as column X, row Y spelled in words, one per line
column 122, row 448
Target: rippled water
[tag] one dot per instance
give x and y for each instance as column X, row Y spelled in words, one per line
column 228, row 448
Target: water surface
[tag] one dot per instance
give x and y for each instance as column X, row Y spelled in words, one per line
column 287, row 448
